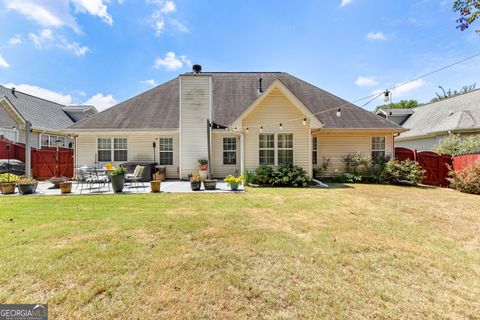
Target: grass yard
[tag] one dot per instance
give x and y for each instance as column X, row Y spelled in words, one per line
column 359, row 251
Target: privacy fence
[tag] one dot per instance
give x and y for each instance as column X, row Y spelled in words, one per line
column 43, row 161
column 436, row 165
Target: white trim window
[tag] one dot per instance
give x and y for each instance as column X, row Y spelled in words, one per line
column 314, row 150
column 49, row 141
column 229, row 151
column 284, row 148
column 165, row 146
column 378, row 149
column 112, row 148
column 266, row 149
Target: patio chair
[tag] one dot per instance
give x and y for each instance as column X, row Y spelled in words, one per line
column 82, row 178
column 135, row 177
column 100, row 178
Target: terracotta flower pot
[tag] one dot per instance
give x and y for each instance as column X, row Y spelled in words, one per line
column 203, row 166
column 66, row 187
column 155, row 185
column 7, row 187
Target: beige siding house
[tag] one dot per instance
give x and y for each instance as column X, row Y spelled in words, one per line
column 238, row 121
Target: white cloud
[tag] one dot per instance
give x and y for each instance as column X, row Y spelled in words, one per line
column 366, row 81
column 150, row 82
column 168, row 6
column 57, row 13
column 407, row 88
column 42, row 93
column 15, row 40
column 101, row 102
column 171, row 62
column 3, row 63
column 95, row 8
column 39, row 40
column 162, row 17
column 376, row 36
column 45, row 39
column 345, row 3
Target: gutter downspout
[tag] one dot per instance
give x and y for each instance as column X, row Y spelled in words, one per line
column 28, row 159
column 242, row 155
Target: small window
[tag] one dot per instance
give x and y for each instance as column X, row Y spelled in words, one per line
column 104, row 149
column 229, row 151
column 314, row 151
column 47, row 140
column 166, row 151
column 378, row 149
column 266, row 146
column 285, row 148
column 120, row 149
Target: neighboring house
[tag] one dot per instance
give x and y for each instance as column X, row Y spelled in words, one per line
column 257, row 118
column 428, row 124
column 47, row 118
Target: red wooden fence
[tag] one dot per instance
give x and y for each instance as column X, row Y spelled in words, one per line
column 434, row 164
column 43, row 160
column 461, row 162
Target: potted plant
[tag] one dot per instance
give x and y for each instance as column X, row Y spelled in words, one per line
column 118, row 178
column 210, row 184
column 155, row 185
column 65, row 186
column 8, row 183
column 233, row 182
column 203, row 164
column 27, row 185
column 195, row 181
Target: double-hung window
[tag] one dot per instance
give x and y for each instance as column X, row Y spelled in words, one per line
column 266, row 146
column 229, row 150
column 378, row 149
column 284, row 148
column 47, row 140
column 112, row 149
column 314, row 150
column 166, row 151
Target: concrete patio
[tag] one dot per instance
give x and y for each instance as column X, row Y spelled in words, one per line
column 169, row 186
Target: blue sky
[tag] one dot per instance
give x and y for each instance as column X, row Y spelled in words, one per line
column 103, row 52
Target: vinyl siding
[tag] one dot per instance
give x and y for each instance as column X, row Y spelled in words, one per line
column 6, row 120
column 274, row 109
column 218, row 169
column 335, row 145
column 195, row 101
column 140, row 148
column 425, row 144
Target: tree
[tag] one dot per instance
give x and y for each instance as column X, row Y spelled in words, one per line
column 469, row 12
column 402, row 104
column 448, row 94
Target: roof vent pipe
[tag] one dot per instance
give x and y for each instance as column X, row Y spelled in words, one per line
column 260, row 89
column 13, row 90
column 196, row 68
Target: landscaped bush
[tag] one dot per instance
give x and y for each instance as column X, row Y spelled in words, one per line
column 467, row 180
column 290, row 175
column 457, row 145
column 249, row 177
column 356, row 163
column 287, row 175
column 264, row 175
column 345, row 177
column 404, row 171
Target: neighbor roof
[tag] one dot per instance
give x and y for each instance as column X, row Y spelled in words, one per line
column 396, row 111
column 41, row 113
column 457, row 113
column 233, row 93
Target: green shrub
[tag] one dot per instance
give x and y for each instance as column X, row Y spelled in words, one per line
column 264, row 175
column 323, row 167
column 467, row 180
column 249, row 176
column 119, row 171
column 407, row 170
column 290, row 175
column 6, row 177
column 356, row 163
column 345, row 177
column 456, row 145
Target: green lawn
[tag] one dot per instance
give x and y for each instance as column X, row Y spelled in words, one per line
column 359, row 251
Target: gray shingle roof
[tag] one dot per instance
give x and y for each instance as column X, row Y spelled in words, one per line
column 458, row 113
column 233, row 93
column 396, row 111
column 41, row 113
